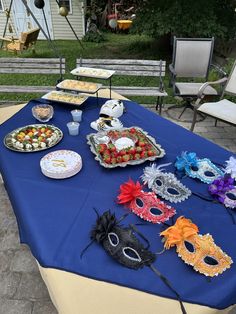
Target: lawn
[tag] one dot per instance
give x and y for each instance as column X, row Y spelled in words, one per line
column 120, row 46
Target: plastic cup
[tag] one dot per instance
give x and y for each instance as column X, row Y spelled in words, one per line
column 73, row 128
column 76, row 115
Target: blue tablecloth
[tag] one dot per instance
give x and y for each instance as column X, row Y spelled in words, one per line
column 55, row 216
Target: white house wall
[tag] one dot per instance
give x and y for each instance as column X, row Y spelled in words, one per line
column 3, row 18
column 61, row 29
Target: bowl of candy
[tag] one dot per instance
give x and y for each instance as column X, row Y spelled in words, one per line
column 43, row 112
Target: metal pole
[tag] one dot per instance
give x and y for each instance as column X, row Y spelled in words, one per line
column 44, row 16
column 72, row 28
column 46, row 36
column 8, row 16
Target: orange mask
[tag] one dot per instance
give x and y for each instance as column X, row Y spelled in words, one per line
column 195, row 249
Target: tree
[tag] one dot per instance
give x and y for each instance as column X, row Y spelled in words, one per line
column 187, row 18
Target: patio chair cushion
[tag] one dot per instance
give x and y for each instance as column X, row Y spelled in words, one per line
column 191, row 89
column 223, row 109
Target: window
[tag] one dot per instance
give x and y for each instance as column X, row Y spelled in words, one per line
column 65, row 3
column 1, row 5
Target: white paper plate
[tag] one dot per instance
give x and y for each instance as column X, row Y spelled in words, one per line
column 61, row 164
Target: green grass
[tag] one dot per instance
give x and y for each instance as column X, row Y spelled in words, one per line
column 120, row 46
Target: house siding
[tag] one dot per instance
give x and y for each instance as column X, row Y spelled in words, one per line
column 61, row 29
column 3, row 18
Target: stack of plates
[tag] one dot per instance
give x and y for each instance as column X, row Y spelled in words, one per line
column 61, row 164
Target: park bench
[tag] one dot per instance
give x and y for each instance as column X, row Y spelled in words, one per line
column 130, row 67
column 30, row 66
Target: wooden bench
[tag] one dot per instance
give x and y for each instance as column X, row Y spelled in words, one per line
column 131, row 67
column 30, row 66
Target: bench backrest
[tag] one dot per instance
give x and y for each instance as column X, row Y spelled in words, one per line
column 32, row 66
column 126, row 66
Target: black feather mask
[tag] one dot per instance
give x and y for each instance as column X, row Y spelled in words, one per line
column 122, row 244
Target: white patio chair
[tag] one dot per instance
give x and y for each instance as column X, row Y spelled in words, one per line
column 224, row 109
column 191, row 62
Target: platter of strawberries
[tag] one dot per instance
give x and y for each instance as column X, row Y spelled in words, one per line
column 126, row 146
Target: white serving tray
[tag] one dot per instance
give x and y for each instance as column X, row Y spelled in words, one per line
column 79, row 86
column 65, row 98
column 93, row 72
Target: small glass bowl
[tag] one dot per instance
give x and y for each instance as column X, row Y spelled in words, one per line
column 43, row 112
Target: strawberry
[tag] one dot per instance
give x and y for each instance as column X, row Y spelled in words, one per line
column 107, row 159
column 122, row 152
column 113, row 160
column 114, row 154
column 107, row 152
column 119, row 159
column 139, row 149
column 150, row 152
column 144, row 154
column 141, row 143
column 111, row 147
column 101, row 148
column 137, row 156
column 149, row 146
column 126, row 157
column 132, row 150
column 133, row 130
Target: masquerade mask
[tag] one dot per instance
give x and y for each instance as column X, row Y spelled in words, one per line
column 165, row 184
column 112, row 108
column 108, row 123
column 124, row 247
column 197, row 250
column 202, row 169
column 121, row 243
column 231, row 167
column 144, row 204
column 224, row 190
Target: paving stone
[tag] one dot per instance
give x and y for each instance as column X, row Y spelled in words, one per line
column 5, row 260
column 44, row 308
column 23, row 261
column 201, row 129
column 32, row 287
column 15, row 307
column 10, row 240
column 220, row 130
column 213, row 135
column 9, row 284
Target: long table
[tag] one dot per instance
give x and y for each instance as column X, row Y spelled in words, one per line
column 58, row 245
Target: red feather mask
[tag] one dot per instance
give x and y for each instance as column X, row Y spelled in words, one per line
column 144, row 204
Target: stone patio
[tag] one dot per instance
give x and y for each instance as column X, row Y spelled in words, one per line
column 22, row 290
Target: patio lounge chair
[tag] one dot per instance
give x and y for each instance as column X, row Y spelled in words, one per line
column 223, row 110
column 191, row 62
